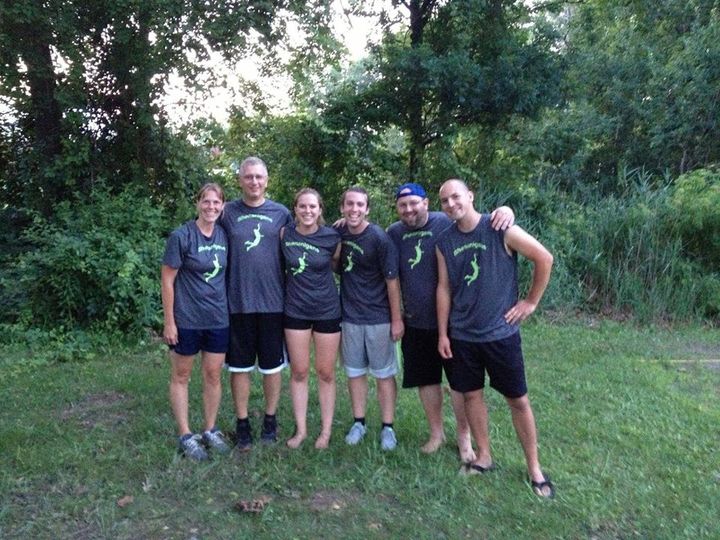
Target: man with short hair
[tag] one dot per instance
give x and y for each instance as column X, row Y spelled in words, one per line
column 415, row 236
column 372, row 321
column 256, row 297
column 478, row 320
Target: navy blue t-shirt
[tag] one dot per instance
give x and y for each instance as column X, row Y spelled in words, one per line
column 310, row 292
column 200, row 294
column 418, row 268
column 367, row 260
column 483, row 282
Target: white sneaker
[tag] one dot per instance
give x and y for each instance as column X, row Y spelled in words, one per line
column 215, row 440
column 388, row 441
column 356, row 433
column 190, row 446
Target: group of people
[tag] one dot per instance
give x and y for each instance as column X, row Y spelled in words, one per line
column 245, row 282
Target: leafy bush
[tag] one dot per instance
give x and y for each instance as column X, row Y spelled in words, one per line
column 631, row 259
column 696, row 209
column 644, row 253
column 96, row 264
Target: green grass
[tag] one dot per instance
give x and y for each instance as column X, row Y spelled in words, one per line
column 628, row 418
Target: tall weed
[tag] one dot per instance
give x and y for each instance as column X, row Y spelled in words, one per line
column 631, row 259
column 646, row 252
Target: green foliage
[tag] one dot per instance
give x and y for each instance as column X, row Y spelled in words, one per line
column 621, row 255
column 83, row 80
column 300, row 151
column 95, row 265
column 640, row 92
column 696, row 206
column 469, row 63
column 35, row 348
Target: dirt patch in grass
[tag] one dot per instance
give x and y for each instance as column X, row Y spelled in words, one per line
column 101, row 409
column 330, row 500
column 704, row 352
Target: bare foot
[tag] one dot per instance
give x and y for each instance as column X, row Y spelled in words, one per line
column 296, row 440
column 323, row 441
column 543, row 487
column 433, row 445
column 467, row 454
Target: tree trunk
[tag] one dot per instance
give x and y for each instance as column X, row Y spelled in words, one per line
column 44, row 115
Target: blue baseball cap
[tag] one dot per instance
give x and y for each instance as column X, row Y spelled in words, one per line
column 410, row 189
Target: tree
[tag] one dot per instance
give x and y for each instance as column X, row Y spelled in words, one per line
column 641, row 91
column 462, row 63
column 85, row 77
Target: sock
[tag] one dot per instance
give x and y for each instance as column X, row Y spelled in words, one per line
column 360, row 420
column 385, row 424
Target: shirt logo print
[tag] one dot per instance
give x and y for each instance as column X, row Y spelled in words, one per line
column 209, row 275
column 349, row 264
column 418, row 255
column 475, row 273
column 302, row 264
column 249, row 244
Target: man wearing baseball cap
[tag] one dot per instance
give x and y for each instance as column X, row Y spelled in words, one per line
column 415, row 236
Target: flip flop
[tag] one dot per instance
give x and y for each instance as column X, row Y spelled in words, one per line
column 539, row 488
column 470, row 469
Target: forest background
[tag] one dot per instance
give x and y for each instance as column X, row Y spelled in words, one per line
column 597, row 121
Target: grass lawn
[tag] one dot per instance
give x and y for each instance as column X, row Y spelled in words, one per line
column 629, row 425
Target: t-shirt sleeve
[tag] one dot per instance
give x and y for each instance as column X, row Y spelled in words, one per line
column 389, row 258
column 173, row 251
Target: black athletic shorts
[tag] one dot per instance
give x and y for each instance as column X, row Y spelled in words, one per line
column 422, row 363
column 256, row 335
column 329, row 326
column 501, row 359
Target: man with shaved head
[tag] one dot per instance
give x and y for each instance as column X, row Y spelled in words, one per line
column 479, row 316
column 414, row 236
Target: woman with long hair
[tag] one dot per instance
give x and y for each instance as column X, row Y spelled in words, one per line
column 312, row 311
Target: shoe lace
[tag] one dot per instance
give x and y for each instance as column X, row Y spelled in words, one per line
column 192, row 444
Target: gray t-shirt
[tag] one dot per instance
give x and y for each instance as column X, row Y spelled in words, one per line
column 200, row 296
column 367, row 260
column 483, row 282
column 418, row 268
column 255, row 273
column 310, row 290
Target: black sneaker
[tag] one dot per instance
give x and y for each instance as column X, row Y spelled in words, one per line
column 268, row 435
column 243, row 436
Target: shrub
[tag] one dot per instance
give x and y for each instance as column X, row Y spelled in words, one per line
column 696, row 206
column 646, row 252
column 631, row 259
column 96, row 264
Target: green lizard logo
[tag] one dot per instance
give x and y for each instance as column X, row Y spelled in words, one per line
column 476, row 271
column 350, row 264
column 209, row 275
column 249, row 244
column 301, row 265
column 418, row 255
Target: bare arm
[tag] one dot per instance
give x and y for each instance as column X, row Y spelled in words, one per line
column 335, row 262
column 516, row 239
column 442, row 297
column 502, row 218
column 167, row 293
column 397, row 327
